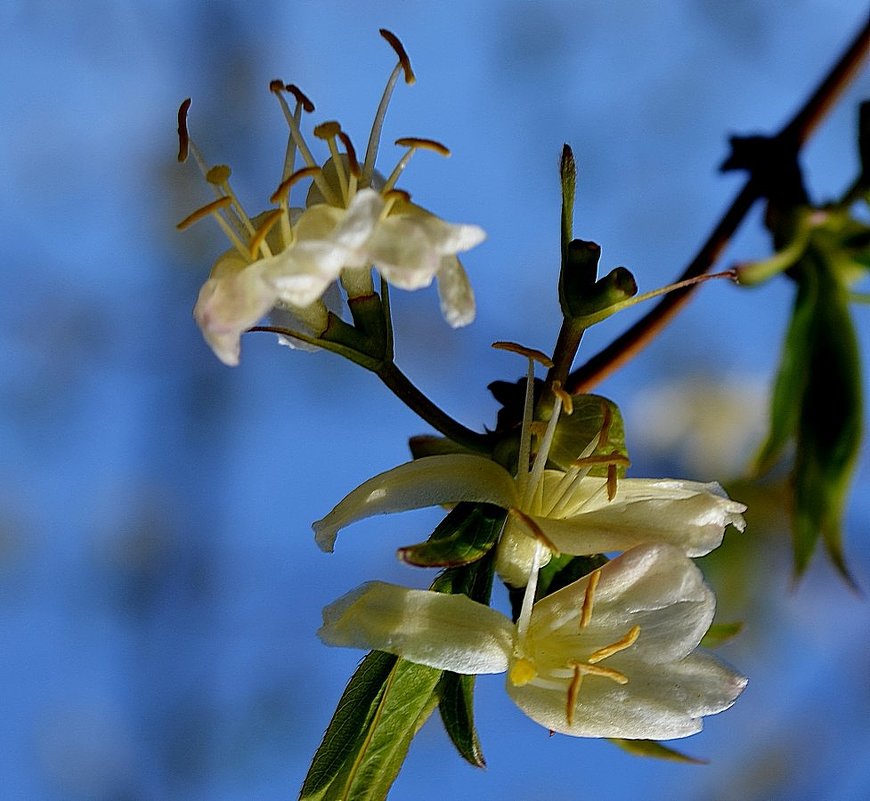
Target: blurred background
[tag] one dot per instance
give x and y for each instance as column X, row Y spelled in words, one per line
column 159, row 584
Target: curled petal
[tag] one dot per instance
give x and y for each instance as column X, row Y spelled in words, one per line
column 449, row 632
column 416, row 485
column 229, row 303
column 688, row 514
column 455, row 293
column 653, row 586
column 660, row 703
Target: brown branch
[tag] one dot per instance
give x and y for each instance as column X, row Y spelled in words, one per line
column 793, row 135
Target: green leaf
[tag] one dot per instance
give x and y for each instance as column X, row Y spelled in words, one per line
column 721, row 632
column 380, row 711
column 457, row 712
column 651, row 748
column 468, row 533
column 568, row 176
column 430, row 445
column 575, row 431
column 456, row 703
column 829, row 427
column 792, row 378
column 577, row 276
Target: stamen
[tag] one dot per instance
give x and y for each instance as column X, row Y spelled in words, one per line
column 607, row 421
column 259, row 238
column 404, row 65
column 199, row 214
column 218, row 175
column 525, row 617
column 413, row 144
column 214, row 208
column 525, row 450
column 611, row 482
column 614, row 648
column 352, row 163
column 567, row 400
column 301, row 97
column 535, row 491
column 183, row 133
column 573, row 693
column 612, row 459
column 404, row 61
column 534, row 528
column 329, row 131
column 529, row 353
column 302, row 104
column 416, row 143
column 589, row 598
column 277, row 88
column 597, row 670
column 283, row 190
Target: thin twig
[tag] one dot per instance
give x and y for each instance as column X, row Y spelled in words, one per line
column 793, row 135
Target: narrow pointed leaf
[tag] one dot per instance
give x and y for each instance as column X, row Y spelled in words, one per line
column 468, row 533
column 791, row 380
column 457, row 711
column 382, row 708
column 721, row 632
column 829, row 430
column 651, row 748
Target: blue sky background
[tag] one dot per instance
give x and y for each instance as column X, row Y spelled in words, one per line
column 159, row 583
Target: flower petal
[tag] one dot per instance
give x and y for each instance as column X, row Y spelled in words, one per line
column 654, row 586
column 661, row 703
column 455, row 293
column 229, row 303
column 688, row 514
column 415, row 485
column 450, row 632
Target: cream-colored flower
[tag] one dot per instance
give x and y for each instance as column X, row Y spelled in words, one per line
column 611, row 655
column 571, row 511
column 354, row 220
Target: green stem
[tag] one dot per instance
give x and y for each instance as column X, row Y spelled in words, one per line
column 414, row 399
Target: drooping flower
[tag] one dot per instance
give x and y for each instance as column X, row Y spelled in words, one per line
column 571, row 511
column 610, row 655
column 354, row 219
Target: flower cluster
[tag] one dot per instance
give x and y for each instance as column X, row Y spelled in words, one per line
column 287, row 258
column 643, row 613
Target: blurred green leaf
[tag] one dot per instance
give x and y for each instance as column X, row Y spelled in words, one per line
column 817, row 400
column 651, row 748
column 829, row 428
column 467, row 533
column 721, row 632
column 791, row 380
column 380, row 711
column 575, row 431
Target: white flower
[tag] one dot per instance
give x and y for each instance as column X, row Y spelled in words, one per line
column 354, row 220
column 611, row 655
column 571, row 511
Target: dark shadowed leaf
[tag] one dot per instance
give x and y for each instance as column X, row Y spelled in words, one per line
column 380, row 711
column 577, row 430
column 468, row 533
